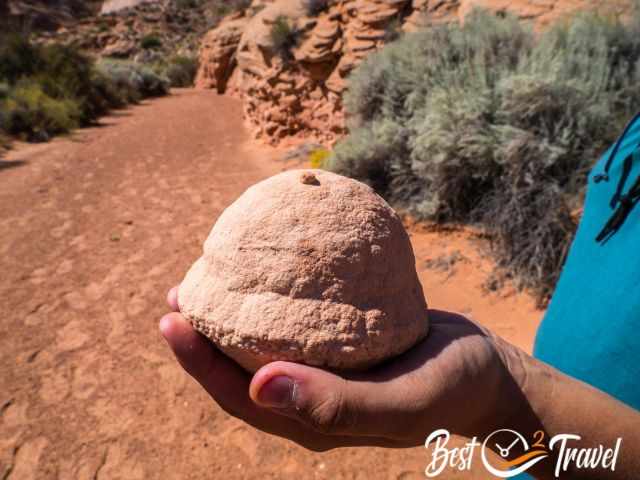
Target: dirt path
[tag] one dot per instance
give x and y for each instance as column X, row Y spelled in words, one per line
column 94, row 230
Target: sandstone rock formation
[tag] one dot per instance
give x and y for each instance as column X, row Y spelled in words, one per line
column 310, row 267
column 300, row 96
column 111, row 6
column 119, row 33
column 220, row 46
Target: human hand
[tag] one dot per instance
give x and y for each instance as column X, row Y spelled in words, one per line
column 459, row 378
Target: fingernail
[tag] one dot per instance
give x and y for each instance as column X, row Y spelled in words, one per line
column 165, row 325
column 277, row 393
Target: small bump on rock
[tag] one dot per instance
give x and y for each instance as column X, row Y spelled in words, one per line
column 309, row 178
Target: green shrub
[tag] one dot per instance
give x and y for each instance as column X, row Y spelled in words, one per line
column 67, row 73
column 151, row 42
column 181, row 71
column 393, row 30
column 18, row 57
column 50, row 89
column 29, row 112
column 485, row 123
column 134, row 80
column 314, row 8
column 283, row 37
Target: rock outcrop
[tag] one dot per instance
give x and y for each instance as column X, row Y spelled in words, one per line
column 295, row 90
column 112, row 6
column 119, row 31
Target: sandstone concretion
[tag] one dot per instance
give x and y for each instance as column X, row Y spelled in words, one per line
column 311, row 267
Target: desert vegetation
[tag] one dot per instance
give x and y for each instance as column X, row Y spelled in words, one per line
column 488, row 124
column 315, row 7
column 151, row 42
column 179, row 70
column 284, row 36
column 47, row 90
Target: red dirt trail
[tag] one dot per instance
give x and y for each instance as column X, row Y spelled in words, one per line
column 94, row 229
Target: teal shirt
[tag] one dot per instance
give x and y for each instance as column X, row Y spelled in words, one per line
column 591, row 330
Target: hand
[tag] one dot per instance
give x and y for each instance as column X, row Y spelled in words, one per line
column 459, row 378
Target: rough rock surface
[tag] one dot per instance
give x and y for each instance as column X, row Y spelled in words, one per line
column 311, row 267
column 111, row 6
column 179, row 26
column 220, row 46
column 301, row 96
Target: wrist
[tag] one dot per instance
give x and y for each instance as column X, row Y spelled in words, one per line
column 531, row 384
column 513, row 394
column 534, row 385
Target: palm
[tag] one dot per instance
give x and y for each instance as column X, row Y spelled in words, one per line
column 396, row 404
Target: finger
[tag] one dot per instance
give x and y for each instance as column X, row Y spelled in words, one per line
column 228, row 385
column 221, row 377
column 172, row 299
column 330, row 404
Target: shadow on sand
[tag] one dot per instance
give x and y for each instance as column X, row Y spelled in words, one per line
column 7, row 164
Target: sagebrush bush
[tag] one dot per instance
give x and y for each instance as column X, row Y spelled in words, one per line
column 134, row 80
column 29, row 112
column 50, row 89
column 487, row 123
column 180, row 71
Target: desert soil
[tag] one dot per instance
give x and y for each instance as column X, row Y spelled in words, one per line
column 94, row 229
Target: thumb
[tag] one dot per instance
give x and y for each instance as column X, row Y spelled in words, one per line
column 324, row 401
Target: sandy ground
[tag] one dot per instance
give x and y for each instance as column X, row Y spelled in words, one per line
column 94, row 229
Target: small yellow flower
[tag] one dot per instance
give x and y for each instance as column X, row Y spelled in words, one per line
column 318, row 157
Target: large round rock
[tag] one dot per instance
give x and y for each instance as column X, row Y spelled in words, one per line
column 310, row 267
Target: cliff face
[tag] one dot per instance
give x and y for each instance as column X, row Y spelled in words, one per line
column 294, row 91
